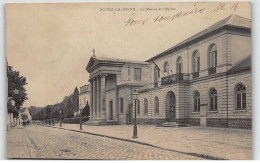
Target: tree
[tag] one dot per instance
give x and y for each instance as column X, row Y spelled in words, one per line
column 15, row 81
column 69, row 114
column 85, row 110
column 75, row 99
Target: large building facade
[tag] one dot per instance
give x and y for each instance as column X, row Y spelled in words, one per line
column 204, row 80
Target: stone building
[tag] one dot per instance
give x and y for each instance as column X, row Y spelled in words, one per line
column 84, row 96
column 204, row 80
column 112, row 82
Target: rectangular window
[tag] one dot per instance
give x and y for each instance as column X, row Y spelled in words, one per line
column 129, row 72
column 121, row 105
column 137, row 74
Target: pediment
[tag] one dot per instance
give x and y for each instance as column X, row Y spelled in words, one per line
column 92, row 62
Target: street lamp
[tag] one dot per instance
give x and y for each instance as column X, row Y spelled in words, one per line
column 60, row 119
column 80, row 124
column 135, row 97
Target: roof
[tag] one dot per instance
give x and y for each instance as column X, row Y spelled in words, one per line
column 244, row 64
column 104, row 59
column 94, row 61
column 232, row 20
column 21, row 110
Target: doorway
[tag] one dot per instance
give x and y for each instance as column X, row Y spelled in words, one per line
column 170, row 104
column 111, row 110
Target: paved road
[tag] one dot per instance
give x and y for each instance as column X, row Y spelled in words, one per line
column 50, row 143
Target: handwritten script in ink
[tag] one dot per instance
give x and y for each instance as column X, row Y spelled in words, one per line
column 133, row 20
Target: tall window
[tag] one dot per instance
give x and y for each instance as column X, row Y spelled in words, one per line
column 156, row 76
column 240, row 92
column 138, row 106
column 196, row 61
column 166, row 68
column 179, row 65
column 196, row 101
column 213, row 100
column 129, row 72
column 156, row 104
column 137, row 74
column 212, row 56
column 121, row 105
column 145, row 106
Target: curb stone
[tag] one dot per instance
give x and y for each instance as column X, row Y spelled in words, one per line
column 205, row 156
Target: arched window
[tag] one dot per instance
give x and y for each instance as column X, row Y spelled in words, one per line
column 213, row 55
column 212, row 59
column 156, row 76
column 179, row 65
column 156, row 104
column 240, row 93
column 166, row 68
column 138, row 107
column 196, row 101
column 196, row 61
column 145, row 106
column 213, row 99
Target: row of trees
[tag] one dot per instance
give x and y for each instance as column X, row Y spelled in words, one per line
column 68, row 106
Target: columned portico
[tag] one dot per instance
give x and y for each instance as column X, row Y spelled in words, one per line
column 98, row 97
column 110, row 93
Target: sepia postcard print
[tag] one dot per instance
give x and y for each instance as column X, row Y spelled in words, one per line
column 129, row 81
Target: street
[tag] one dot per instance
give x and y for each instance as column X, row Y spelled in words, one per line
column 35, row 141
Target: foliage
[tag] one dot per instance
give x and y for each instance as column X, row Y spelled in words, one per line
column 15, row 81
column 75, row 120
column 24, row 117
column 85, row 111
column 67, row 107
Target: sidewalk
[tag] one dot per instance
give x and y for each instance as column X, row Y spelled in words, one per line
column 234, row 144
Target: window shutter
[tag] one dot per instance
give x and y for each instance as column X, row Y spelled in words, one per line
column 198, row 64
column 216, row 103
column 215, row 58
column 211, row 103
column 198, row 104
column 195, row 104
column 238, row 101
column 244, row 100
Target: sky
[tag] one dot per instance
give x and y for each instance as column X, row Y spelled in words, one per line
column 51, row 43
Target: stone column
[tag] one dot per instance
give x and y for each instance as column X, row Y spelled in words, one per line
column 116, row 99
column 98, row 98
column 103, row 96
column 94, row 99
column 91, row 99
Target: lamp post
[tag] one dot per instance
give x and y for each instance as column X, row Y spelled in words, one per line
column 80, row 124
column 135, row 97
column 60, row 119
